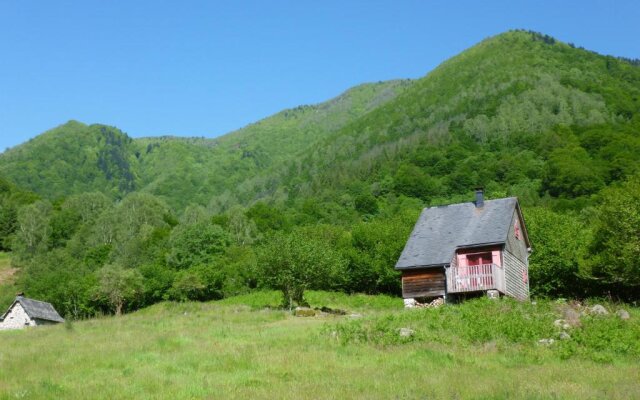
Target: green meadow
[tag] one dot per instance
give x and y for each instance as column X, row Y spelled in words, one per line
column 8, row 274
column 246, row 347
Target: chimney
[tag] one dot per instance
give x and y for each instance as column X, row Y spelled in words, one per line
column 479, row 197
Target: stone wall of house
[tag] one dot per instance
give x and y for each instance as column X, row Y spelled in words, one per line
column 17, row 318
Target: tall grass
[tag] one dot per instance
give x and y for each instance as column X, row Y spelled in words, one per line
column 238, row 349
column 507, row 324
column 337, row 300
column 8, row 288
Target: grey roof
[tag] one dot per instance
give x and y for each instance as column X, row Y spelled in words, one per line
column 37, row 309
column 440, row 230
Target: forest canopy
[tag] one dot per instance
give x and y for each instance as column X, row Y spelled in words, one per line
column 325, row 196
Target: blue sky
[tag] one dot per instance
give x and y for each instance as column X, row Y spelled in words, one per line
column 204, row 68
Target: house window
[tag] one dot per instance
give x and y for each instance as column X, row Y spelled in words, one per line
column 516, row 229
column 479, row 259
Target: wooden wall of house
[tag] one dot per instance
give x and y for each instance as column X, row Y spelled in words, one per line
column 429, row 282
column 517, row 247
column 516, row 276
column 516, row 261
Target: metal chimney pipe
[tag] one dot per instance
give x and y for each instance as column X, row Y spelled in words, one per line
column 479, row 197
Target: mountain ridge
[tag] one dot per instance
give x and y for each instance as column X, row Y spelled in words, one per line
column 515, row 83
column 519, row 114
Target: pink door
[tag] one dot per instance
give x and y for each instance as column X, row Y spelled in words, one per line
column 479, row 267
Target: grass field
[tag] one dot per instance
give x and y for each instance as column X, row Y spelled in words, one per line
column 8, row 276
column 241, row 348
column 7, row 272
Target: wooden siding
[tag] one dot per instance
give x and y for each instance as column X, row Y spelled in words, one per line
column 517, row 247
column 516, row 277
column 423, row 283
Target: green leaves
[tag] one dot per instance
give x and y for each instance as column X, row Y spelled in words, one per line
column 560, row 247
column 616, row 242
column 570, row 172
column 298, row 261
column 518, row 114
column 198, row 244
column 118, row 286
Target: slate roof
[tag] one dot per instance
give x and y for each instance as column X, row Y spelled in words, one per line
column 36, row 309
column 441, row 230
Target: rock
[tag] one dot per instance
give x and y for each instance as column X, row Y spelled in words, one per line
column 413, row 303
column 410, row 303
column 571, row 316
column 332, row 311
column 546, row 342
column 623, row 314
column 436, row 303
column 564, row 336
column 561, row 323
column 493, row 294
column 598, row 310
column 355, row 315
column 304, row 312
column 406, row 332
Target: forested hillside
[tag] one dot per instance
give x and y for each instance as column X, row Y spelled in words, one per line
column 124, row 223
column 75, row 158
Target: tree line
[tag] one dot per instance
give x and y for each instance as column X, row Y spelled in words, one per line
column 90, row 255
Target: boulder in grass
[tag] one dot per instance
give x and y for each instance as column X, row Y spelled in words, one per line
column 571, row 316
column 406, row 332
column 304, row 312
column 562, row 324
column 598, row 310
column 564, row 336
column 623, row 314
column 410, row 303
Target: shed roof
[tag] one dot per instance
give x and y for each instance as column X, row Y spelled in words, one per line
column 36, row 309
column 441, row 230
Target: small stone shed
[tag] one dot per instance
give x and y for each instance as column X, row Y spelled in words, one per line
column 25, row 312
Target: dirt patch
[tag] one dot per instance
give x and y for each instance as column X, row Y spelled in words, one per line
column 7, row 275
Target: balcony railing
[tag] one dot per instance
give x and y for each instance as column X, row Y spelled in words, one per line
column 475, row 278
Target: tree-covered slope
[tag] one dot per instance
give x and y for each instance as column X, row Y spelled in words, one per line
column 75, row 158
column 506, row 114
column 184, row 171
column 519, row 112
column 339, row 185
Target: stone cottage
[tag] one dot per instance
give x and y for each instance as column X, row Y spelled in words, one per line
column 25, row 312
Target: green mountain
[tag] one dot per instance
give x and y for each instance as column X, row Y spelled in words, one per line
column 75, row 158
column 514, row 91
column 520, row 114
